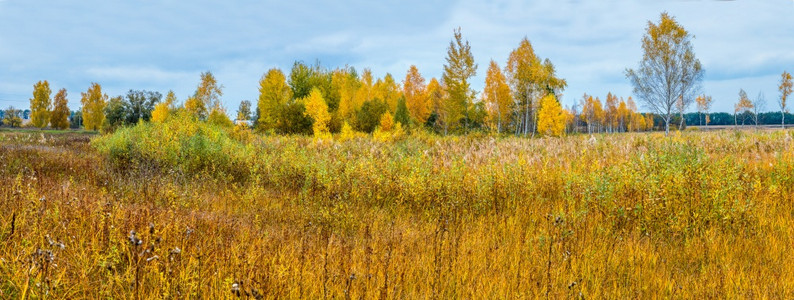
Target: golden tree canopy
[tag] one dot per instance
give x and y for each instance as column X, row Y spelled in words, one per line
column 59, row 118
column 496, row 96
column 40, row 104
column 274, row 92
column 346, row 83
column 551, row 119
column 93, row 107
column 163, row 109
column 386, row 122
column 317, row 110
column 416, row 99
column 389, row 91
column 744, row 103
column 207, row 96
column 785, row 89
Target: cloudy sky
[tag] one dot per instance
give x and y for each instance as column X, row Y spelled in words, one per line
column 165, row 44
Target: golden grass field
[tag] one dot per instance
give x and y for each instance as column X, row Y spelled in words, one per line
column 636, row 215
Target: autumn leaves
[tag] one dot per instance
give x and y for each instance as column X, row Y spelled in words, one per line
column 313, row 99
column 54, row 112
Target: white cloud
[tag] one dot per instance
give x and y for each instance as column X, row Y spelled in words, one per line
column 135, row 74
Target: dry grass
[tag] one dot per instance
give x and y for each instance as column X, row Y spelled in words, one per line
column 696, row 215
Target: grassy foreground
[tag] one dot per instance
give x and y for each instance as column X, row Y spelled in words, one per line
column 189, row 210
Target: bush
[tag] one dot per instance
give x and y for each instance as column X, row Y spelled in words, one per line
column 180, row 142
column 293, row 119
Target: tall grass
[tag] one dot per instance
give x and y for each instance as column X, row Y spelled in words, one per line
column 611, row 216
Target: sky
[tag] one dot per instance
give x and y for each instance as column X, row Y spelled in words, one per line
column 163, row 45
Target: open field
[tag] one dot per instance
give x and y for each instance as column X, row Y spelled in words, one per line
column 46, row 131
column 695, row 215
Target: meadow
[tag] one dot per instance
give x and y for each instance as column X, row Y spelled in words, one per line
column 190, row 210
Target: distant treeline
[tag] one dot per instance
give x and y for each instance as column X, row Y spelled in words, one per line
column 75, row 117
column 690, row 119
column 747, row 118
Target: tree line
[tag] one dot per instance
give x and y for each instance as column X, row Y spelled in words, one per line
column 97, row 111
column 522, row 98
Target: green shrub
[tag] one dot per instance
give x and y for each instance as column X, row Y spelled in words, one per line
column 181, row 142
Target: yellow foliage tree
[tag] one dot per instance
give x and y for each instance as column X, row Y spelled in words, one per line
column 593, row 112
column 195, row 107
column 365, row 91
column 416, row 99
column 530, row 78
column 704, row 105
column 435, row 94
column 386, row 122
column 636, row 122
column 599, row 113
column 389, row 130
column 59, row 118
column 160, row 113
column 93, row 107
column 611, row 112
column 523, row 69
column 317, row 110
column 389, row 91
column 587, row 111
column 742, row 106
column 551, row 120
column 632, row 119
column 649, row 122
column 207, row 96
column 274, row 92
column 785, row 89
column 568, row 116
column 623, row 115
column 163, row 109
column 496, row 96
column 40, row 104
column 347, row 84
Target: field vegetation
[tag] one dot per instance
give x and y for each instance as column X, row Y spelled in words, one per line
column 187, row 209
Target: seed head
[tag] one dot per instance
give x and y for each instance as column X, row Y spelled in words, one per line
column 134, row 240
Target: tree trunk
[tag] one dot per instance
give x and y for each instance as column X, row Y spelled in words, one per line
column 681, row 123
column 782, row 119
column 522, row 117
column 667, row 125
column 518, row 126
column 526, row 120
column 534, row 122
